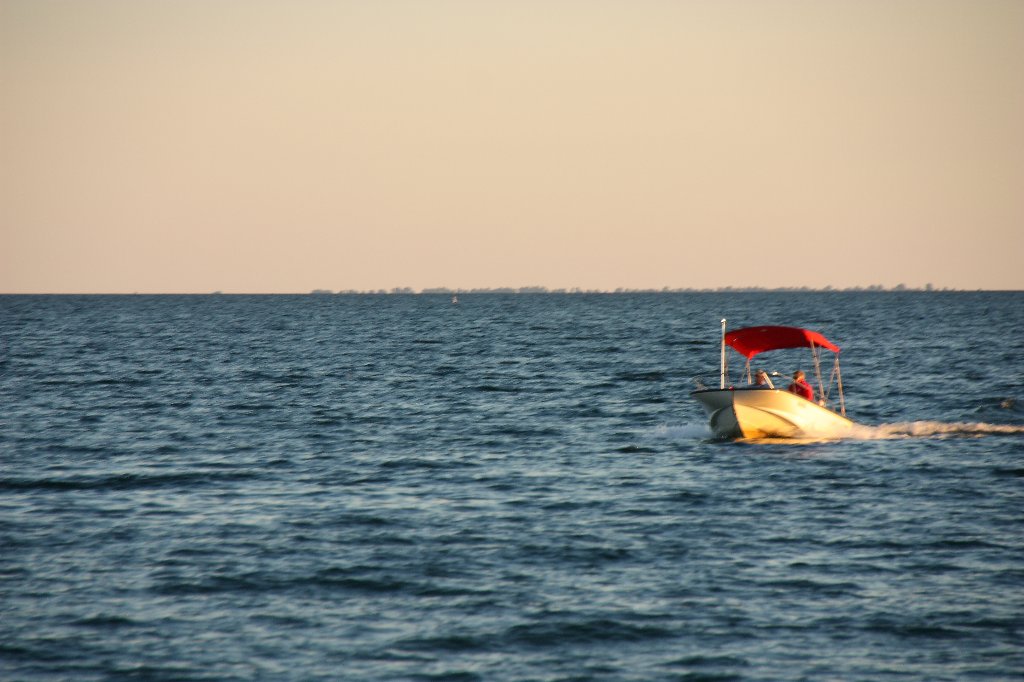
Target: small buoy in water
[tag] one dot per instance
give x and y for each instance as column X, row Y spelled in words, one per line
column 455, row 299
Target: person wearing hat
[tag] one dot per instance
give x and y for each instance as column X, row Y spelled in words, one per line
column 761, row 379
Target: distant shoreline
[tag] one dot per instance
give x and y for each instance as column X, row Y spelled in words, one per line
column 666, row 290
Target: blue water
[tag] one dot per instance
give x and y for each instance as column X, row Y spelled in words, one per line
column 511, row 488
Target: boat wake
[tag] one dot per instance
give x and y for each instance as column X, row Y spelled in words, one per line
column 927, row 429
column 682, row 432
column 894, row 431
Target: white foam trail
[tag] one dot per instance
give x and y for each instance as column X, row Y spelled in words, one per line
column 926, row 429
column 682, row 432
column 897, row 430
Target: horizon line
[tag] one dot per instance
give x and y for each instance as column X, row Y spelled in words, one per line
column 535, row 290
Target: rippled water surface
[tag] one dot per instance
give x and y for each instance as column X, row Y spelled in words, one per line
column 511, row 488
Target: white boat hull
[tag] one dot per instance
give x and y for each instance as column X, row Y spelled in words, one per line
column 768, row 413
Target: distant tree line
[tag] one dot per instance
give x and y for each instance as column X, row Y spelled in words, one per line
column 664, row 290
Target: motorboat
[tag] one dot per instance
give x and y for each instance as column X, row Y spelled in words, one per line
column 757, row 408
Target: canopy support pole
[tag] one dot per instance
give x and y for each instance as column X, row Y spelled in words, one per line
column 817, row 370
column 839, row 377
column 722, row 376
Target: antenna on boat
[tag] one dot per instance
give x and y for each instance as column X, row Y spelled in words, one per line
column 722, row 385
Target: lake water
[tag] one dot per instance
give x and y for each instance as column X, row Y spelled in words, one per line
column 512, row 488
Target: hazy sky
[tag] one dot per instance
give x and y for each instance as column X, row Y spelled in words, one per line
column 247, row 146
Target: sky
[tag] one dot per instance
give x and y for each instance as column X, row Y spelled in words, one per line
column 184, row 146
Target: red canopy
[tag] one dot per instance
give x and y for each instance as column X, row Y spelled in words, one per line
column 753, row 340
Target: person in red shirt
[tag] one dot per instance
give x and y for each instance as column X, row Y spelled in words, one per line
column 800, row 386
